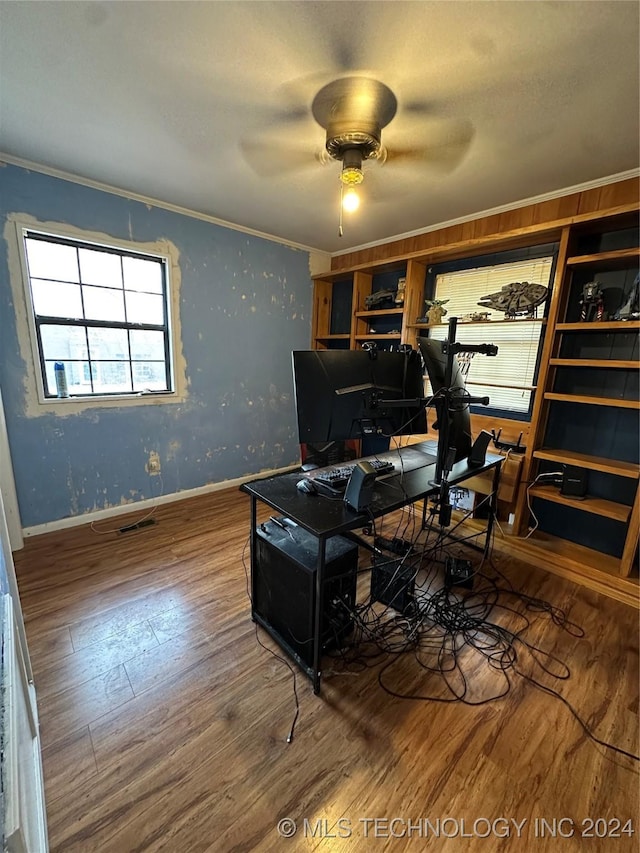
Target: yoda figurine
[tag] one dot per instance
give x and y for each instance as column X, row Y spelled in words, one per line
column 436, row 312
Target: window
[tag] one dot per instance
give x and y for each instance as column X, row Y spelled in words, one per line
column 509, row 377
column 100, row 316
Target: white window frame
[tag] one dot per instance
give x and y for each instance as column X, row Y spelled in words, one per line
column 89, row 239
column 494, row 274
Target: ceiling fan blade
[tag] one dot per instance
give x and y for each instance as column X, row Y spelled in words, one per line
column 273, row 159
column 445, row 150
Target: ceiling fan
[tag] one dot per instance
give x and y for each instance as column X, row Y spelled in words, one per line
column 353, row 111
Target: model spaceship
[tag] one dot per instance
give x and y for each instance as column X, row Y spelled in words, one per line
column 520, row 298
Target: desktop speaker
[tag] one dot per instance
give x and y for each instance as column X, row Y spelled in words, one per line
column 478, row 453
column 284, row 588
column 359, row 492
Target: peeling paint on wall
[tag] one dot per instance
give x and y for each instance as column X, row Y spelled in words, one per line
column 153, row 467
column 235, row 416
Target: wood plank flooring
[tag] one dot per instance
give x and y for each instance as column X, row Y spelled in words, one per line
column 164, row 722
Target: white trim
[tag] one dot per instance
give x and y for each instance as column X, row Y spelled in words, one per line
column 492, row 211
column 36, row 404
column 164, row 205
column 117, row 245
column 149, row 503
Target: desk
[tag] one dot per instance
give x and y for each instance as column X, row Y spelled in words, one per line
column 325, row 517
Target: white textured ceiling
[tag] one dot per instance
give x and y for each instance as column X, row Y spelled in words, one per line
column 163, row 99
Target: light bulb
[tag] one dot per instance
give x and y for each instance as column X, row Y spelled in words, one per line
column 350, row 200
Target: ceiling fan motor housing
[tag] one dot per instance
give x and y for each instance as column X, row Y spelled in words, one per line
column 353, row 111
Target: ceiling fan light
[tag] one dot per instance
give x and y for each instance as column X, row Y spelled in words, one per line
column 350, row 200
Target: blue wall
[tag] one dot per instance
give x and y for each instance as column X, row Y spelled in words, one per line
column 239, row 416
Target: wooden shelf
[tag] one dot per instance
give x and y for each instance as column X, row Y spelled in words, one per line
column 394, row 337
column 605, row 326
column 597, row 506
column 594, row 362
column 594, row 569
column 478, row 322
column 593, row 463
column 615, row 259
column 332, row 337
column 580, row 554
column 616, row 402
column 381, row 312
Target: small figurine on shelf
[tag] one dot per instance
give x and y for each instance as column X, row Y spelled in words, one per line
column 630, row 308
column 476, row 317
column 380, row 299
column 436, row 312
column 591, row 303
column 402, row 284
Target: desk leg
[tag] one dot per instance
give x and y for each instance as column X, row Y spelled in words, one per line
column 493, row 508
column 317, row 620
column 252, row 551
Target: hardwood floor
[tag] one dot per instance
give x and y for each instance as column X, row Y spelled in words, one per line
column 164, row 722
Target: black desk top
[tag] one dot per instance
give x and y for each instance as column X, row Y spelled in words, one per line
column 327, row 516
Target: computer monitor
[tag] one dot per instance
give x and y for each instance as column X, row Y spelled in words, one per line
column 340, row 394
column 435, row 361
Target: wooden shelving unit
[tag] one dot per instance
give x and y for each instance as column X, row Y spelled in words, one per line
column 586, row 413
column 592, row 232
column 333, row 324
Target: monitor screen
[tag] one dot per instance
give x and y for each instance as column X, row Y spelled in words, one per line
column 340, row 394
column 459, row 417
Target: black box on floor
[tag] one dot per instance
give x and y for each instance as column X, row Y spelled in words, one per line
column 393, row 583
column 458, row 572
column 284, row 587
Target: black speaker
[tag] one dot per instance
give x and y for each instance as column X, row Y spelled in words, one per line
column 284, row 588
column 478, row 453
column 359, row 492
column 574, row 482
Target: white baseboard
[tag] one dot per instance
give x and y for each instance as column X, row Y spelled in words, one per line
column 145, row 505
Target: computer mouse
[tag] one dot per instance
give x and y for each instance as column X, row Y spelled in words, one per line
column 307, row 486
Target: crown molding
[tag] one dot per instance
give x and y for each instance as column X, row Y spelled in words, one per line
column 504, row 208
column 143, row 199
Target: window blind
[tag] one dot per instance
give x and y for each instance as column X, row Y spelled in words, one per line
column 508, row 377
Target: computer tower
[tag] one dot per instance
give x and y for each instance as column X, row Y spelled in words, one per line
column 284, row 588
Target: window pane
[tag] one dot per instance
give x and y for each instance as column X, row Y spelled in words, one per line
column 60, row 343
column 101, row 268
column 144, row 308
column 141, row 274
column 149, row 376
column 102, row 304
column 147, row 345
column 111, row 377
column 51, row 260
column 77, row 373
column 56, row 299
column 82, row 283
column 108, row 344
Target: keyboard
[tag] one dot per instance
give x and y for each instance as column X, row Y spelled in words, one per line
column 338, row 475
